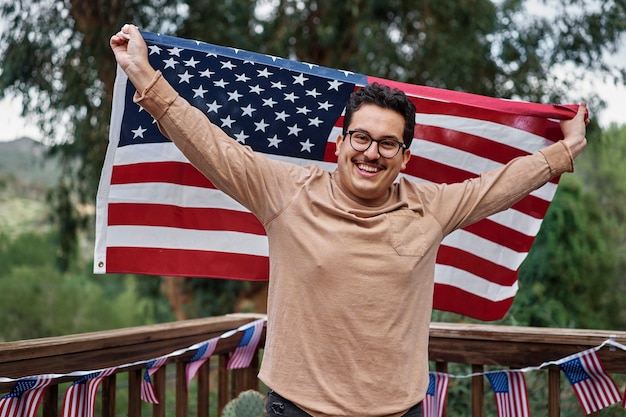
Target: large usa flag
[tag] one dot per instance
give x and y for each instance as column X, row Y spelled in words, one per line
column 157, row 215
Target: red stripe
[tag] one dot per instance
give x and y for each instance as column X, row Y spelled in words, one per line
column 455, row 300
column 502, row 235
column 476, row 145
column 182, row 173
column 476, row 265
column 195, row 218
column 187, row 263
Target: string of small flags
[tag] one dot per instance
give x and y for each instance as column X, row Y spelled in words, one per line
column 79, row 399
column 593, row 387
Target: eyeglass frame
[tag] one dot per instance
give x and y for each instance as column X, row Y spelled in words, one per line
column 372, row 140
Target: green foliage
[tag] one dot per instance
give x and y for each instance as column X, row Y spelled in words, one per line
column 36, row 300
column 247, row 404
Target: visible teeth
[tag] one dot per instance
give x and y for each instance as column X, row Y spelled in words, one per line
column 368, row 168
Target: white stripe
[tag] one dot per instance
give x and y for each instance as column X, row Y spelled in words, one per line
column 473, row 284
column 510, row 136
column 174, row 194
column 173, row 238
column 486, row 249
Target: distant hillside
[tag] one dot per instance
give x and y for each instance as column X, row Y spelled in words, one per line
column 25, row 160
column 26, row 175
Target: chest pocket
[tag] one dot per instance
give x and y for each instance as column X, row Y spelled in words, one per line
column 407, row 234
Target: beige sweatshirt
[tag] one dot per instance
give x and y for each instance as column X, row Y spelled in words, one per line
column 351, row 285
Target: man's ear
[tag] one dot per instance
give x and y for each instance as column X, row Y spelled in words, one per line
column 338, row 143
column 406, row 157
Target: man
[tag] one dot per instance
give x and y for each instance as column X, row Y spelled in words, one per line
column 352, row 252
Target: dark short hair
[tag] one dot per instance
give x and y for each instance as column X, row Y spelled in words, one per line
column 387, row 98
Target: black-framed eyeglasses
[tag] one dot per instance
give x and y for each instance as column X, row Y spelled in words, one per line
column 387, row 148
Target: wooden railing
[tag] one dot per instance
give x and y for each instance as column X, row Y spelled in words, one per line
column 479, row 346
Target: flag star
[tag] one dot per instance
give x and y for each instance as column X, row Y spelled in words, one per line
column 274, row 141
column 313, row 93
column 278, row 85
column 234, row 96
column 264, row 73
column 138, row 133
column 207, row 73
column 291, row 97
column 170, row 63
column 221, row 83
column 294, row 130
column 243, row 77
column 303, row 110
column 155, row 49
column 227, row 64
column 211, row 54
column 300, row 79
column 191, row 62
column 213, row 107
column 261, row 125
column 334, row 85
column 269, row 102
column 306, row 146
column 199, row 92
column 184, row 78
column 175, row 51
column 346, row 73
column 256, row 89
column 227, row 121
column 315, row 122
column 325, row 105
column 241, row 137
column 248, row 110
column 281, row 116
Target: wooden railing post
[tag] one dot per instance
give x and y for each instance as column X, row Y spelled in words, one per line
column 182, row 396
column 134, row 392
column 51, row 402
column 223, row 391
column 159, row 380
column 204, row 389
column 108, row 396
column 554, row 391
column 478, row 392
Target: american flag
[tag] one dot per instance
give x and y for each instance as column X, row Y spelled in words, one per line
column 147, row 389
column 80, row 397
column 157, row 215
column 436, row 394
column 203, row 353
column 594, row 388
column 25, row 397
column 246, row 348
column 509, row 388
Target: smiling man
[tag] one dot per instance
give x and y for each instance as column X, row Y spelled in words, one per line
column 352, row 252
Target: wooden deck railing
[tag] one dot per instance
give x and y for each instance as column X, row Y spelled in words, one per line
column 479, row 346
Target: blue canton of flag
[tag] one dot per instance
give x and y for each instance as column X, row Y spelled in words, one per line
column 287, row 110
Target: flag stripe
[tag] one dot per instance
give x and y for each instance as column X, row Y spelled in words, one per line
column 483, row 308
column 186, row 263
column 142, row 214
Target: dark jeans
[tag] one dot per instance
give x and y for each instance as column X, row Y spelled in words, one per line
column 277, row 406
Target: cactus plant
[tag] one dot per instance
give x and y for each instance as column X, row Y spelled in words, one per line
column 247, row 404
